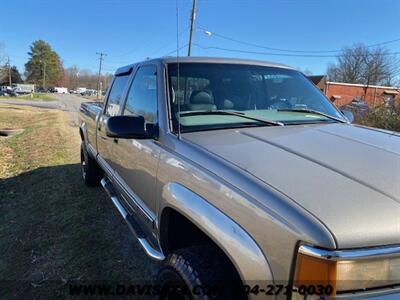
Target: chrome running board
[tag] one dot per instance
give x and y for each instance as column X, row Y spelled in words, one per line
column 132, row 223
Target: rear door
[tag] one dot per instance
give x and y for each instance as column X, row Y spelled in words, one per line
column 136, row 161
column 105, row 145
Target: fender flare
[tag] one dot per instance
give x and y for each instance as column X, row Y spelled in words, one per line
column 238, row 245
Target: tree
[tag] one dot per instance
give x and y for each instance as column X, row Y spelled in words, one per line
column 4, row 76
column 44, row 63
column 363, row 65
column 85, row 78
column 2, row 60
column 72, row 77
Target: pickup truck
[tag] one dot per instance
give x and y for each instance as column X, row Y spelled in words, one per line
column 246, row 181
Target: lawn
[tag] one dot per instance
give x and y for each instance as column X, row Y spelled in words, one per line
column 53, row 229
column 33, row 97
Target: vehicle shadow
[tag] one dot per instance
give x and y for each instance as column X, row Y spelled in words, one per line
column 55, row 230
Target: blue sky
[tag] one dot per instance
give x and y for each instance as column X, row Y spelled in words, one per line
column 131, row 30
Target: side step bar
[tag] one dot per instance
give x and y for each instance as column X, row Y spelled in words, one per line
column 132, row 223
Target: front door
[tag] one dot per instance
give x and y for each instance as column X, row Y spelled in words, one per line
column 136, row 160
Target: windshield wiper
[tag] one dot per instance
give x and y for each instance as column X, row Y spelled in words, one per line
column 312, row 111
column 229, row 113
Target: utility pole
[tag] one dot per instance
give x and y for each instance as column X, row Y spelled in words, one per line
column 9, row 72
column 44, row 75
column 98, row 80
column 192, row 21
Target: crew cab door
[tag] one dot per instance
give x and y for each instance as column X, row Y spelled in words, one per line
column 112, row 107
column 136, row 160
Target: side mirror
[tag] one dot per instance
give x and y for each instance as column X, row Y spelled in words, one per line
column 348, row 115
column 127, row 127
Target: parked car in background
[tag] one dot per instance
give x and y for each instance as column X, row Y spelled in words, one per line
column 89, row 92
column 7, row 91
column 41, row 90
column 237, row 172
column 61, row 90
column 358, row 107
column 23, row 88
column 81, row 90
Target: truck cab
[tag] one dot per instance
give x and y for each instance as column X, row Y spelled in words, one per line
column 234, row 174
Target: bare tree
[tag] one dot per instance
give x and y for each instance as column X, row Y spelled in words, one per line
column 72, row 77
column 3, row 58
column 76, row 77
column 363, row 65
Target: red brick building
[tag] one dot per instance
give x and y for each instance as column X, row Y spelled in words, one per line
column 343, row 93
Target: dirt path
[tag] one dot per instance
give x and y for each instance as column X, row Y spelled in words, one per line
column 66, row 102
column 71, row 103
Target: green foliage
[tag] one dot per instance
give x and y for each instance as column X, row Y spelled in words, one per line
column 15, row 75
column 382, row 117
column 44, row 60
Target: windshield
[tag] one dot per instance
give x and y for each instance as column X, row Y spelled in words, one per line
column 259, row 92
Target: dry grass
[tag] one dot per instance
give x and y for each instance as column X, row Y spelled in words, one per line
column 53, row 229
column 46, row 140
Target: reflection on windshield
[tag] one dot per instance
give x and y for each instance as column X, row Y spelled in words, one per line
column 267, row 93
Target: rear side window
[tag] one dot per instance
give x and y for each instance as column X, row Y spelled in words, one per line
column 142, row 97
column 115, row 96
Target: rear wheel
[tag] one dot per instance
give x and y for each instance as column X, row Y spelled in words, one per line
column 201, row 272
column 90, row 171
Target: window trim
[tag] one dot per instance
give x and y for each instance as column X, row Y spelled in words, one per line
column 137, row 69
column 123, row 95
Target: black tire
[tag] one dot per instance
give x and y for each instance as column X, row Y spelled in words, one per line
column 201, row 272
column 90, row 171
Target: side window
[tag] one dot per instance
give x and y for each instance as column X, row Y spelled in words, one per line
column 115, row 96
column 142, row 97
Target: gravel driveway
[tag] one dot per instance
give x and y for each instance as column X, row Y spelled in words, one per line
column 66, row 102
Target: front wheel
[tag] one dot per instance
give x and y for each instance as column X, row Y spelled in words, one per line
column 199, row 273
column 90, row 171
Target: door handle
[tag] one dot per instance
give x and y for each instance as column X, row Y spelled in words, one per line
column 99, row 128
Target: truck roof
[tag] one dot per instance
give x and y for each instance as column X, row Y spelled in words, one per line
column 199, row 59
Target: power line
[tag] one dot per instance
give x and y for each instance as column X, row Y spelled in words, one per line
column 175, row 50
column 145, row 44
column 278, row 54
column 169, row 43
column 288, row 50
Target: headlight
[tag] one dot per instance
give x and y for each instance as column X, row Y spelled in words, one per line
column 347, row 270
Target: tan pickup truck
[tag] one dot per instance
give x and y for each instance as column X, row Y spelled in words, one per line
column 246, row 181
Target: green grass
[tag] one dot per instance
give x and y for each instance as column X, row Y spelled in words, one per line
column 38, row 96
column 32, row 97
column 53, row 229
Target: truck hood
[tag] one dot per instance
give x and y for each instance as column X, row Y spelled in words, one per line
column 347, row 176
